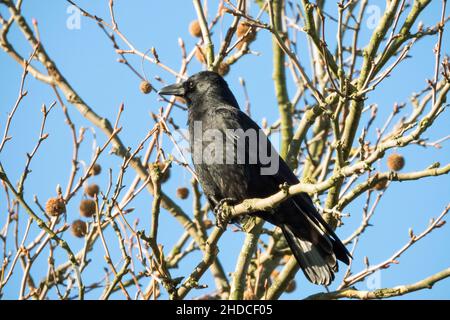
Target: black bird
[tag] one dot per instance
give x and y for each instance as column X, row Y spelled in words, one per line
column 212, row 107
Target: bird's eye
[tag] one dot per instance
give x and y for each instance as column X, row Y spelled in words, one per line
column 191, row 85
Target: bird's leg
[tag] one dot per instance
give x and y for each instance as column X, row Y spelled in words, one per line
column 222, row 212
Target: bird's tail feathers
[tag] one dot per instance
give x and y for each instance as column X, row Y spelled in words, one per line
column 326, row 235
column 318, row 263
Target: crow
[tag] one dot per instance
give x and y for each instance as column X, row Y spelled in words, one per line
column 213, row 111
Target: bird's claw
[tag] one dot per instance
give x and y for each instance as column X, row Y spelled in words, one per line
column 222, row 213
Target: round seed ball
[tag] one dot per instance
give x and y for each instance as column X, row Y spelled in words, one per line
column 166, row 175
column 79, row 228
column 291, row 286
column 145, row 87
column 381, row 185
column 224, row 68
column 87, row 208
column 200, row 55
column 242, row 30
column 208, row 223
column 95, row 170
column 92, row 190
column 395, row 162
column 240, row 45
column 182, row 193
column 194, row 29
column 55, row 206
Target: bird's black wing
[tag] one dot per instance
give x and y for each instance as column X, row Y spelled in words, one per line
column 313, row 242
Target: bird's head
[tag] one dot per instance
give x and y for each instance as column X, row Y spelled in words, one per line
column 200, row 87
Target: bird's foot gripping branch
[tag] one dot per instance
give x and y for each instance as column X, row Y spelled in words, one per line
column 224, row 212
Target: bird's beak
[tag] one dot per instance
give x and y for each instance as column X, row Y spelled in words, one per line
column 176, row 89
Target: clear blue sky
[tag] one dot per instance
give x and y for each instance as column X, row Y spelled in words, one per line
column 88, row 61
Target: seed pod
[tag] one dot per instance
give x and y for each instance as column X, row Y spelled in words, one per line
column 208, row 223
column 87, row 208
column 200, row 55
column 92, row 190
column 242, row 30
column 145, row 87
column 224, row 68
column 79, row 228
column 195, row 30
column 182, row 193
column 395, row 162
column 166, row 175
column 240, row 44
column 381, row 185
column 291, row 286
column 55, row 206
column 95, row 170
